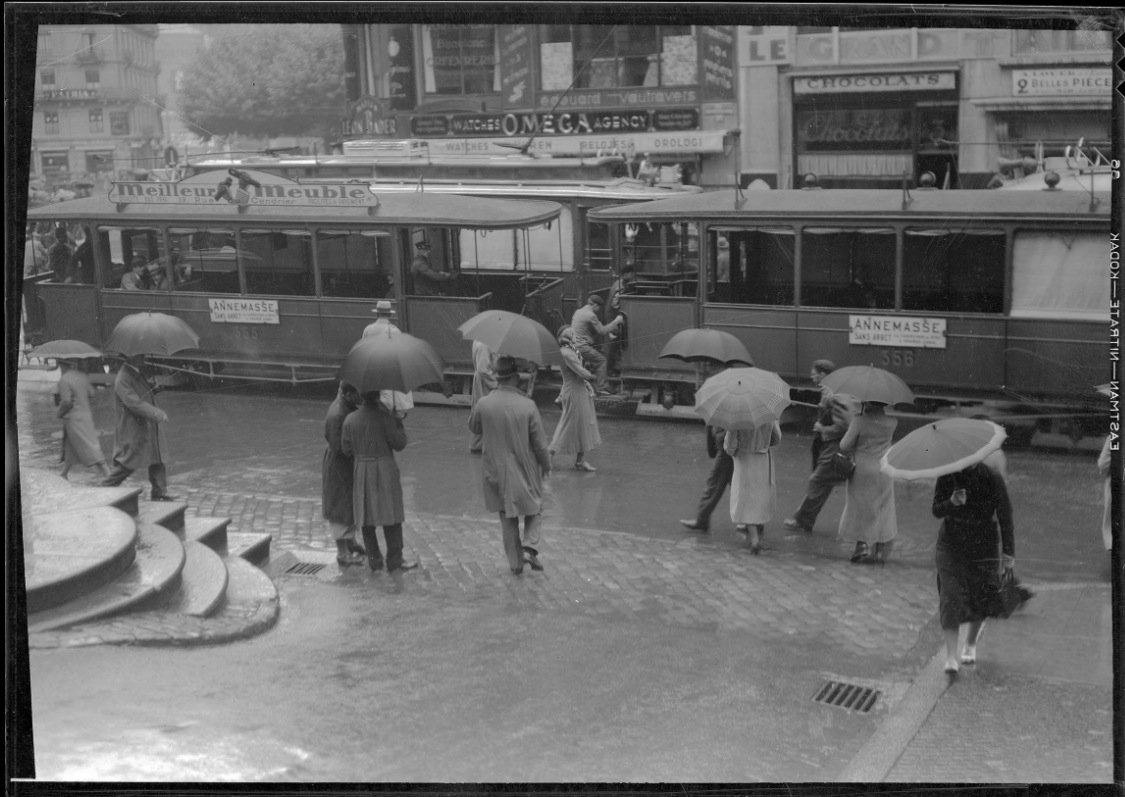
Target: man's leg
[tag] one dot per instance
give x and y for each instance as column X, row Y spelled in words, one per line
column 393, row 535
column 119, row 474
column 722, row 470
column 531, row 540
column 158, row 478
column 595, row 362
column 371, row 541
column 821, row 483
column 510, row 530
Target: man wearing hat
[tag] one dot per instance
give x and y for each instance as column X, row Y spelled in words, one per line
column 588, row 329
column 514, row 463
column 398, row 403
column 427, row 282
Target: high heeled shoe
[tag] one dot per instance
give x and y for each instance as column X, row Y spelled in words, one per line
column 880, row 555
column 755, row 540
column 860, row 552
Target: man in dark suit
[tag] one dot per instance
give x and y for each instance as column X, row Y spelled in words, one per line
column 722, row 471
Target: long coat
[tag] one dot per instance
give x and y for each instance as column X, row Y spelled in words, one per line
column 514, row 454
column 578, row 426
column 753, row 490
column 869, row 500
column 140, row 439
column 371, row 436
column 338, row 470
column 80, row 437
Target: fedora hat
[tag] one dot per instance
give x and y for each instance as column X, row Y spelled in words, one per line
column 383, row 306
column 422, row 245
column 506, row 366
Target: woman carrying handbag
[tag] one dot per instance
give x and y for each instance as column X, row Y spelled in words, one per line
column 869, row 498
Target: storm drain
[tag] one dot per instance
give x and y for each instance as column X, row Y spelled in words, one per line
column 304, row 569
column 850, row 696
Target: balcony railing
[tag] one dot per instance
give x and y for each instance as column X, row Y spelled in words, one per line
column 91, row 55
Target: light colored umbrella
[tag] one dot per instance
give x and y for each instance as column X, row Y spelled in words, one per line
column 513, row 335
column 1106, row 389
column 157, row 334
column 946, row 446
column 742, row 398
column 400, row 363
column 64, row 350
column 705, row 345
column 868, row 383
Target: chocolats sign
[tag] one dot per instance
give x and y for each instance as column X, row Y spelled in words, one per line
column 556, row 124
column 878, row 330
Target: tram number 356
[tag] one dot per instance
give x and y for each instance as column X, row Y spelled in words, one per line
column 245, row 331
column 899, row 357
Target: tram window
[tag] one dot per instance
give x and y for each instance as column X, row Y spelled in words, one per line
column 599, row 253
column 1060, row 273
column 120, row 245
column 757, row 266
column 848, row 267
column 953, row 270
column 354, row 263
column 205, row 259
column 277, row 262
column 662, row 251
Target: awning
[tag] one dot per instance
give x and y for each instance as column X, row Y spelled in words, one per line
column 688, row 142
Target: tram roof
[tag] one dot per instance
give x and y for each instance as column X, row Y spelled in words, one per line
column 415, row 210
column 729, row 205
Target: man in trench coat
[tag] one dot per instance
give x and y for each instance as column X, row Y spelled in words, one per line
column 140, row 430
column 514, row 463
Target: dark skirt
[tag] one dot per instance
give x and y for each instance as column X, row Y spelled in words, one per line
column 967, row 588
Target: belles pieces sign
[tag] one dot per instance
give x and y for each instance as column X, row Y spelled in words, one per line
column 244, row 192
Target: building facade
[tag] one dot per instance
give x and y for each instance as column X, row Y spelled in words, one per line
column 856, row 107
column 96, row 102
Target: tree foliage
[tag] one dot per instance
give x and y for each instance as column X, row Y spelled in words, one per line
column 271, row 80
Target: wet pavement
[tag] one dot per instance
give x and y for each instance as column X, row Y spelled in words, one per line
column 643, row 652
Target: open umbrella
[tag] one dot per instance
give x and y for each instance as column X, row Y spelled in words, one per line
column 158, row 334
column 705, row 345
column 942, row 447
column 1105, row 390
column 64, row 350
column 868, row 383
column 742, row 398
column 400, row 363
column 513, row 335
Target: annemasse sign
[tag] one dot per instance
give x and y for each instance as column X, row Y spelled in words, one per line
column 245, row 193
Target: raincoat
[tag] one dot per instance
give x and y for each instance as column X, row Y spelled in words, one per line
column 869, row 502
column 338, row 471
column 370, row 436
column 140, row 439
column 80, row 438
column 578, row 426
column 753, row 491
column 514, row 454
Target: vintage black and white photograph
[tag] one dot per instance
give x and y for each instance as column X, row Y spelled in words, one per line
column 563, row 394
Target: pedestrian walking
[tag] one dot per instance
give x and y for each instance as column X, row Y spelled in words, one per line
column 588, row 330
column 834, row 415
column 753, row 486
column 140, row 423
column 80, row 444
column 1105, row 460
column 869, row 499
column 484, row 382
column 370, row 436
column 514, row 464
column 577, row 430
column 397, row 402
column 338, row 479
column 976, row 515
column 722, row 470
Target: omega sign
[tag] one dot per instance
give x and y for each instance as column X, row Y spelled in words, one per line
column 563, row 124
column 904, row 81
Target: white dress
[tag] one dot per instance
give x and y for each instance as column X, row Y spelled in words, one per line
column 753, row 492
column 869, row 501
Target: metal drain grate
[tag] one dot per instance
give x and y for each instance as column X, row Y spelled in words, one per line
column 850, row 696
column 304, row 569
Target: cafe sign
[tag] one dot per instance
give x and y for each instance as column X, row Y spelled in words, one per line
column 243, row 188
column 900, row 331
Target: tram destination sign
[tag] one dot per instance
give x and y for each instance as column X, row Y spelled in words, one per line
column 243, row 311
column 243, row 191
column 899, row 331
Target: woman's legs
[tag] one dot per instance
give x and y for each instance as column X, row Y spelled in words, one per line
column 969, row 654
column 951, row 636
column 860, row 552
column 581, row 464
column 756, row 537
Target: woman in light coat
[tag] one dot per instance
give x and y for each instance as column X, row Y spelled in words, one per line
column 869, row 501
column 753, row 486
column 577, row 432
column 80, row 444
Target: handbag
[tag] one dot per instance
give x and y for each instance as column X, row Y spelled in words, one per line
column 1010, row 595
column 843, row 465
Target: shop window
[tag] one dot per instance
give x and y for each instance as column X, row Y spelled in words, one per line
column 618, row 56
column 119, row 123
column 753, row 266
column 1060, row 274
column 354, row 263
column 277, row 262
column 96, row 125
column 461, row 59
column 953, row 271
column 848, row 267
column 599, row 252
column 204, row 259
column 1036, row 42
column 51, row 123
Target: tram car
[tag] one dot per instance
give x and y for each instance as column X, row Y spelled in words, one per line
column 279, row 278
column 988, row 303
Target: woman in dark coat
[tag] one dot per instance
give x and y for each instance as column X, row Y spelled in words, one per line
column 337, row 475
column 976, row 527
column 370, row 436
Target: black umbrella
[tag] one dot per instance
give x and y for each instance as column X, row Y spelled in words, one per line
column 157, row 334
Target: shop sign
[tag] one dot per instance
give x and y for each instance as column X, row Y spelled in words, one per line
column 893, row 81
column 716, row 44
column 369, row 117
column 242, row 192
column 763, row 45
column 861, row 129
column 693, row 142
column 243, row 311
column 554, row 124
column 900, row 331
column 515, row 64
column 1041, row 82
column 612, row 98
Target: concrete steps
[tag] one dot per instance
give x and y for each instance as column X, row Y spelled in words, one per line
column 102, row 566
